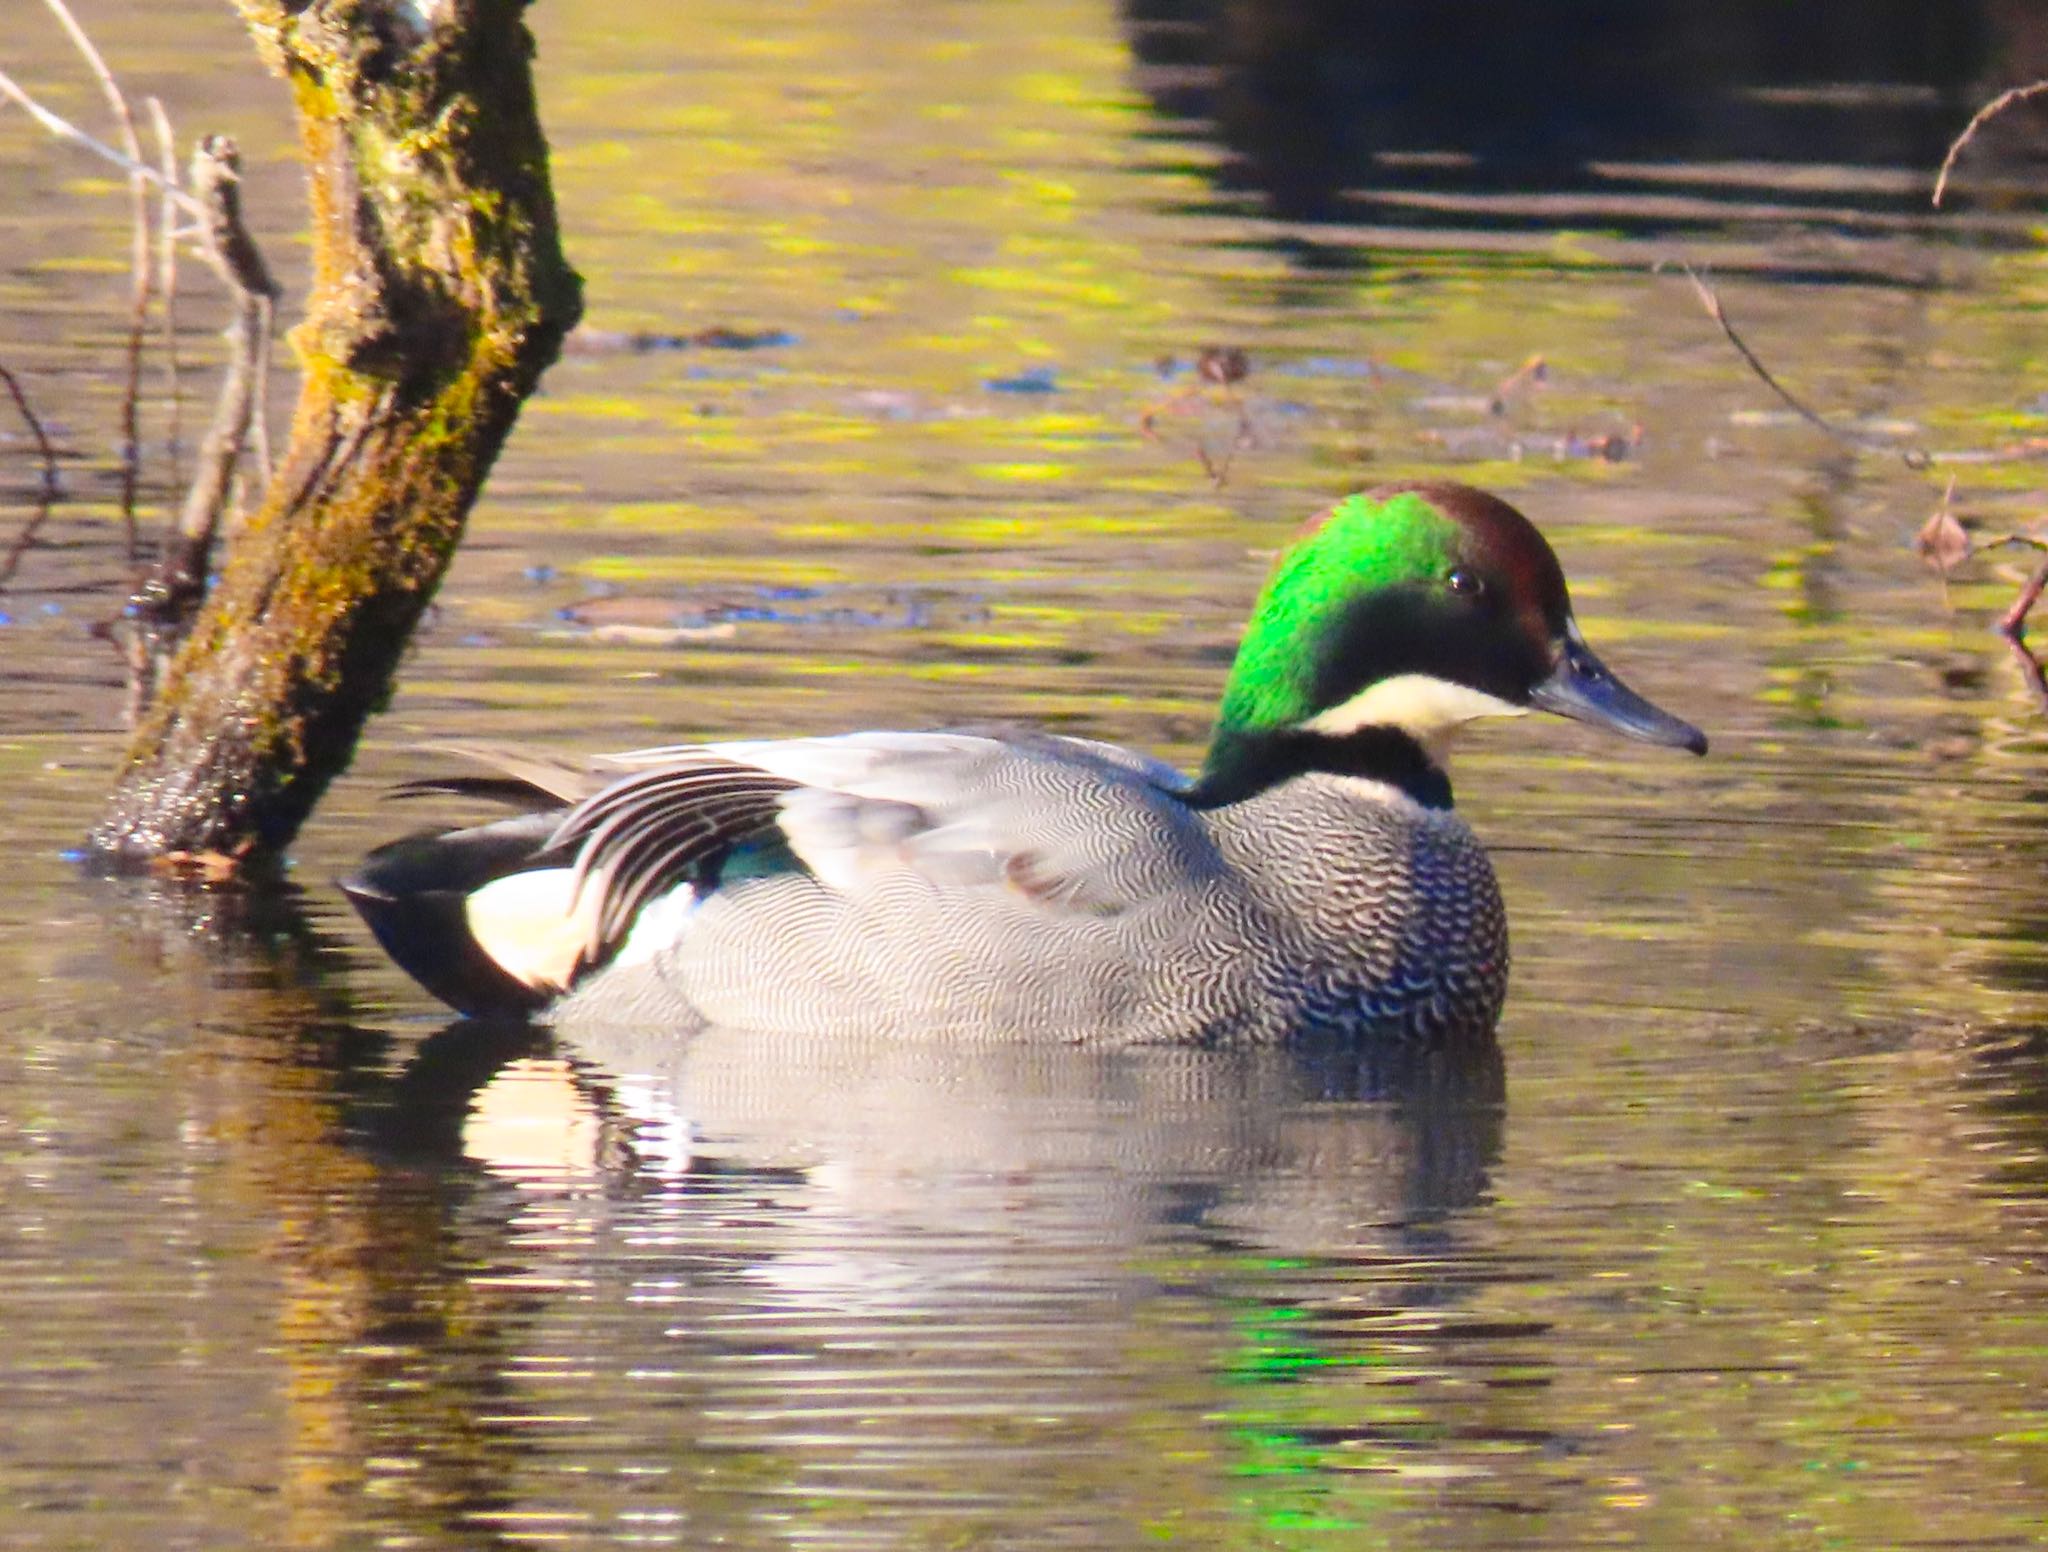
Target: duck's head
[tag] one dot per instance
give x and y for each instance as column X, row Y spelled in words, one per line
column 1393, row 620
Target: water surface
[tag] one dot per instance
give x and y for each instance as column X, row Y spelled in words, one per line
column 1736, row 1239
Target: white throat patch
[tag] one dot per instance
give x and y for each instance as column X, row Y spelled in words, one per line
column 1427, row 709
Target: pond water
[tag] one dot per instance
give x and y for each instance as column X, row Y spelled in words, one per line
column 1738, row 1238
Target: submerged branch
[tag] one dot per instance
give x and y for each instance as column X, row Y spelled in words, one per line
column 27, row 537
column 35, row 429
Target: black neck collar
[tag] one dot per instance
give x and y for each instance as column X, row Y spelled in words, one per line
column 1255, row 761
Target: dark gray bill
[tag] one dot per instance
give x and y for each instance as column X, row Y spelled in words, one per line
column 1582, row 686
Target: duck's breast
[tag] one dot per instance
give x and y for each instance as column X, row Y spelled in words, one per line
column 1387, row 912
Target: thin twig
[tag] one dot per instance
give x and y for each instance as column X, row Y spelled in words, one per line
column 141, row 281
column 27, row 536
column 65, row 130
column 2012, row 540
column 108, row 85
column 1983, row 116
column 1913, row 457
column 167, row 280
column 1916, row 458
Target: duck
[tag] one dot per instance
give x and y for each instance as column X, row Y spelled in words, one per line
column 1312, row 879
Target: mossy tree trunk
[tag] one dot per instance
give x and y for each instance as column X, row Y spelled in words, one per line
column 439, row 296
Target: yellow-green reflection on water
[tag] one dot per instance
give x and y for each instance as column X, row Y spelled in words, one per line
column 1740, row 1242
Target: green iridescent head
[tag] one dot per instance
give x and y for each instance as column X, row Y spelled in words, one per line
column 1411, row 610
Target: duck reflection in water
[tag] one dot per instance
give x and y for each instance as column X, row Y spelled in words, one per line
column 912, row 1278
column 1321, row 1147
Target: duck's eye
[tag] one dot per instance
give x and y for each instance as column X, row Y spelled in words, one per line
column 1466, row 584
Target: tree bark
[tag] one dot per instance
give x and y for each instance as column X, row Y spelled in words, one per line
column 440, row 294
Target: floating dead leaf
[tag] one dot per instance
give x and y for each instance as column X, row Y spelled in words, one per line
column 1943, row 542
column 1223, row 365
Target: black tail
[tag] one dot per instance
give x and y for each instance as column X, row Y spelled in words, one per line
column 412, row 892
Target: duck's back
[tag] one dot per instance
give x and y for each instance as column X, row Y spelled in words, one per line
column 952, row 885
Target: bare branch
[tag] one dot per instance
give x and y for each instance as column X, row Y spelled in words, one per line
column 63, row 129
column 1983, row 116
column 439, row 295
column 216, row 192
column 1914, row 457
column 161, row 610
column 216, row 180
column 108, row 85
column 174, row 592
column 266, row 332
column 2014, row 622
column 2025, row 541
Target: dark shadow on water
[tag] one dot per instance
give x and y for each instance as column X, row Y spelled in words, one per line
column 1397, row 113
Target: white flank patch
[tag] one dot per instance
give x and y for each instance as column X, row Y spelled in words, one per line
column 657, row 925
column 1430, row 710
column 523, row 922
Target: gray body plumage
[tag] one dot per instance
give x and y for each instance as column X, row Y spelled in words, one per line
column 980, row 887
